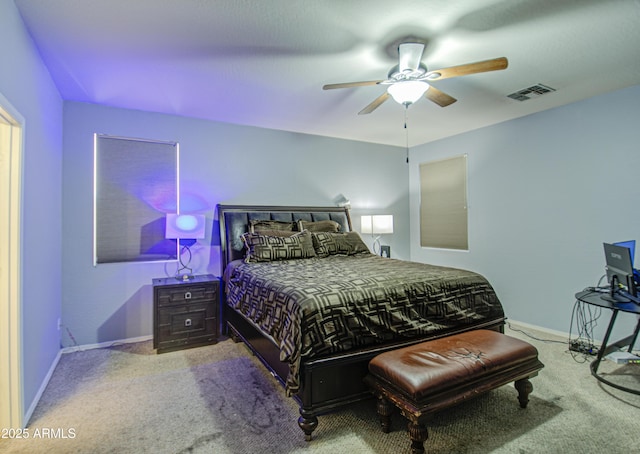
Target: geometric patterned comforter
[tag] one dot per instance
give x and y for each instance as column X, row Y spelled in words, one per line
column 317, row 306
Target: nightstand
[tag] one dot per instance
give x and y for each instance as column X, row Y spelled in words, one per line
column 185, row 313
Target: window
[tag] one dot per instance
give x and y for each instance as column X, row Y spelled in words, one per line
column 135, row 185
column 443, row 203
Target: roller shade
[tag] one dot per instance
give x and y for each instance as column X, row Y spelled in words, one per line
column 443, row 203
column 135, row 184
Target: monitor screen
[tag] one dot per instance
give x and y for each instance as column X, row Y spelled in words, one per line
column 619, row 267
column 631, row 244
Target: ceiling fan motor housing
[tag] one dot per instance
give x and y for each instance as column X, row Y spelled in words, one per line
column 395, row 75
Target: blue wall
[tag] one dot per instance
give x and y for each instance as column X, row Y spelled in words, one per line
column 219, row 163
column 545, row 191
column 26, row 84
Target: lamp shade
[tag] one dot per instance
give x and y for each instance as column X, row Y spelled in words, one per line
column 377, row 224
column 407, row 92
column 366, row 224
column 188, row 226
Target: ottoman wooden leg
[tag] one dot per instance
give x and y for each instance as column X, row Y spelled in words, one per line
column 385, row 410
column 418, row 435
column 524, row 388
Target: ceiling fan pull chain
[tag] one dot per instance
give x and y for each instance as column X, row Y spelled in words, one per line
column 406, row 130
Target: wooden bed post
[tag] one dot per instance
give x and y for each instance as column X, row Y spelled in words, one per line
column 307, row 423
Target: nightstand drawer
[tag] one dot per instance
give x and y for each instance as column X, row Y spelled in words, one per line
column 179, row 295
column 186, row 323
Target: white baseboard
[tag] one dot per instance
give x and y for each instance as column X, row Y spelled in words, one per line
column 43, row 386
column 560, row 334
column 131, row 340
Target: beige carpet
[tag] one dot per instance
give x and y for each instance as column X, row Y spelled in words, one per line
column 219, row 399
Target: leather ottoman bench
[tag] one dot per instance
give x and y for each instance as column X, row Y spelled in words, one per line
column 428, row 377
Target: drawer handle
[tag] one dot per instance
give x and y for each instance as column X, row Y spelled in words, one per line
column 187, row 296
column 187, row 322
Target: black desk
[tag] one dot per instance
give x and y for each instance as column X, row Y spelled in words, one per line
column 594, row 298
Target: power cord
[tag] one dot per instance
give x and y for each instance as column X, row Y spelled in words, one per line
column 579, row 349
column 585, row 317
column 531, row 336
column 73, row 339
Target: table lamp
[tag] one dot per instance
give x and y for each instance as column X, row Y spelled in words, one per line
column 187, row 229
column 380, row 224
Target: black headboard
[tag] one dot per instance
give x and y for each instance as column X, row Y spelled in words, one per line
column 234, row 221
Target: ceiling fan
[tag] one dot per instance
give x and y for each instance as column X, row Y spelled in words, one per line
column 409, row 80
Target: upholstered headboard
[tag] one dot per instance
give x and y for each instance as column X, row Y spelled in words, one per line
column 234, row 221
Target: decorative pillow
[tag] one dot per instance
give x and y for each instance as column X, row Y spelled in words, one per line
column 261, row 226
column 280, row 233
column 328, row 243
column 319, row 226
column 264, row 248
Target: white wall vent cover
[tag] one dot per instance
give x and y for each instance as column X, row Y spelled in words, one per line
column 532, row 92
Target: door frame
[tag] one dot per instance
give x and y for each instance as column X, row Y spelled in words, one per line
column 12, row 126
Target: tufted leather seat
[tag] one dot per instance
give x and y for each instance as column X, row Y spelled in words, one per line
column 430, row 376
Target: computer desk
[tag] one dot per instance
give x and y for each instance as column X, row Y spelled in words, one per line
column 594, row 298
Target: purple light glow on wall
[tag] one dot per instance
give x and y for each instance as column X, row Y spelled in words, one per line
column 161, row 199
column 192, row 203
column 164, row 201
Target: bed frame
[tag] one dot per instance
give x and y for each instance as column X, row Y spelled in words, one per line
column 326, row 383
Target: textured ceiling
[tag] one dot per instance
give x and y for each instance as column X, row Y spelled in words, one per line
column 263, row 63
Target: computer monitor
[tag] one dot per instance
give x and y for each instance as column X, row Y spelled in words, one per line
column 619, row 268
column 631, row 244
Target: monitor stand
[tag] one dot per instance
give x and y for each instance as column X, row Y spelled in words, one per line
column 613, row 296
column 615, row 299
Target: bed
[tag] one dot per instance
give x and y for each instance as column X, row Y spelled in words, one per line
column 315, row 305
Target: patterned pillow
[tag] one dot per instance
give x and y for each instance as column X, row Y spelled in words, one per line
column 281, row 233
column 261, row 226
column 349, row 243
column 319, row 226
column 264, row 248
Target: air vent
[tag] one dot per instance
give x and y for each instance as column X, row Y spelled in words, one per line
column 532, row 92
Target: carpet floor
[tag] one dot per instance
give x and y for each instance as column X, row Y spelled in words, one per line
column 220, row 399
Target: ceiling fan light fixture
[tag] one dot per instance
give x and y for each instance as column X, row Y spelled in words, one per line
column 407, row 92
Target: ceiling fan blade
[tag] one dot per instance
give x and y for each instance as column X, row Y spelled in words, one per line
column 409, row 55
column 439, row 97
column 375, row 104
column 351, row 84
column 471, row 68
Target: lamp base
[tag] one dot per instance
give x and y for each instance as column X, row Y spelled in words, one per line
column 376, row 245
column 184, row 266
